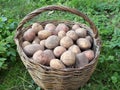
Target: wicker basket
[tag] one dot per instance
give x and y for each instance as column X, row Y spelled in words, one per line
column 66, row 79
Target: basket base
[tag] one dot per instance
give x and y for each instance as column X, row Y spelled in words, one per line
column 59, row 86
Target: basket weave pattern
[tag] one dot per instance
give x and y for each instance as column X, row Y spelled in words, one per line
column 69, row 78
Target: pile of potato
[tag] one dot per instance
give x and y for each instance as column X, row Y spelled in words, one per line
column 58, row 46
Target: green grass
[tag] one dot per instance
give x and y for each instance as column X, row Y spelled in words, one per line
column 106, row 16
column 11, row 77
column 16, row 78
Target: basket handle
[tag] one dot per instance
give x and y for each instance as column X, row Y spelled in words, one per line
column 60, row 8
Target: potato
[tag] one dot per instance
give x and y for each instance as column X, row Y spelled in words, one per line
column 43, row 57
column 72, row 34
column 60, row 27
column 42, row 43
column 56, row 64
column 25, row 43
column 61, row 34
column 81, row 60
column 36, row 40
column 66, row 42
column 59, row 50
column 89, row 38
column 29, row 35
column 75, row 49
column 68, row 58
column 81, row 32
column 49, row 54
column 32, row 48
column 44, row 34
column 39, row 57
column 89, row 54
column 51, row 27
column 75, row 26
column 52, row 42
column 36, row 27
column 83, row 43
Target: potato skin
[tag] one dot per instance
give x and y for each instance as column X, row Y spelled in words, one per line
column 60, row 27
column 81, row 60
column 36, row 27
column 39, row 57
column 32, row 48
column 52, row 42
column 89, row 38
column 81, row 32
column 75, row 49
column 42, row 43
column 72, row 34
column 59, row 50
column 49, row 54
column 44, row 34
column 66, row 42
column 75, row 26
column 43, row 57
column 51, row 27
column 61, row 34
column 29, row 35
column 25, row 43
column 83, row 43
column 68, row 58
column 56, row 64
column 89, row 54
column 36, row 40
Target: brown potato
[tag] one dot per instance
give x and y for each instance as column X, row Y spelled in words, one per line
column 50, row 56
column 61, row 34
column 89, row 38
column 43, row 57
column 36, row 27
column 60, row 27
column 83, row 43
column 89, row 54
column 36, row 40
column 81, row 60
column 51, row 27
column 75, row 26
column 81, row 32
column 29, row 35
column 25, row 43
column 52, row 42
column 72, row 34
column 39, row 57
column 66, row 42
column 68, row 58
column 44, row 34
column 75, row 49
column 56, row 64
column 42, row 43
column 59, row 50
column 32, row 48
